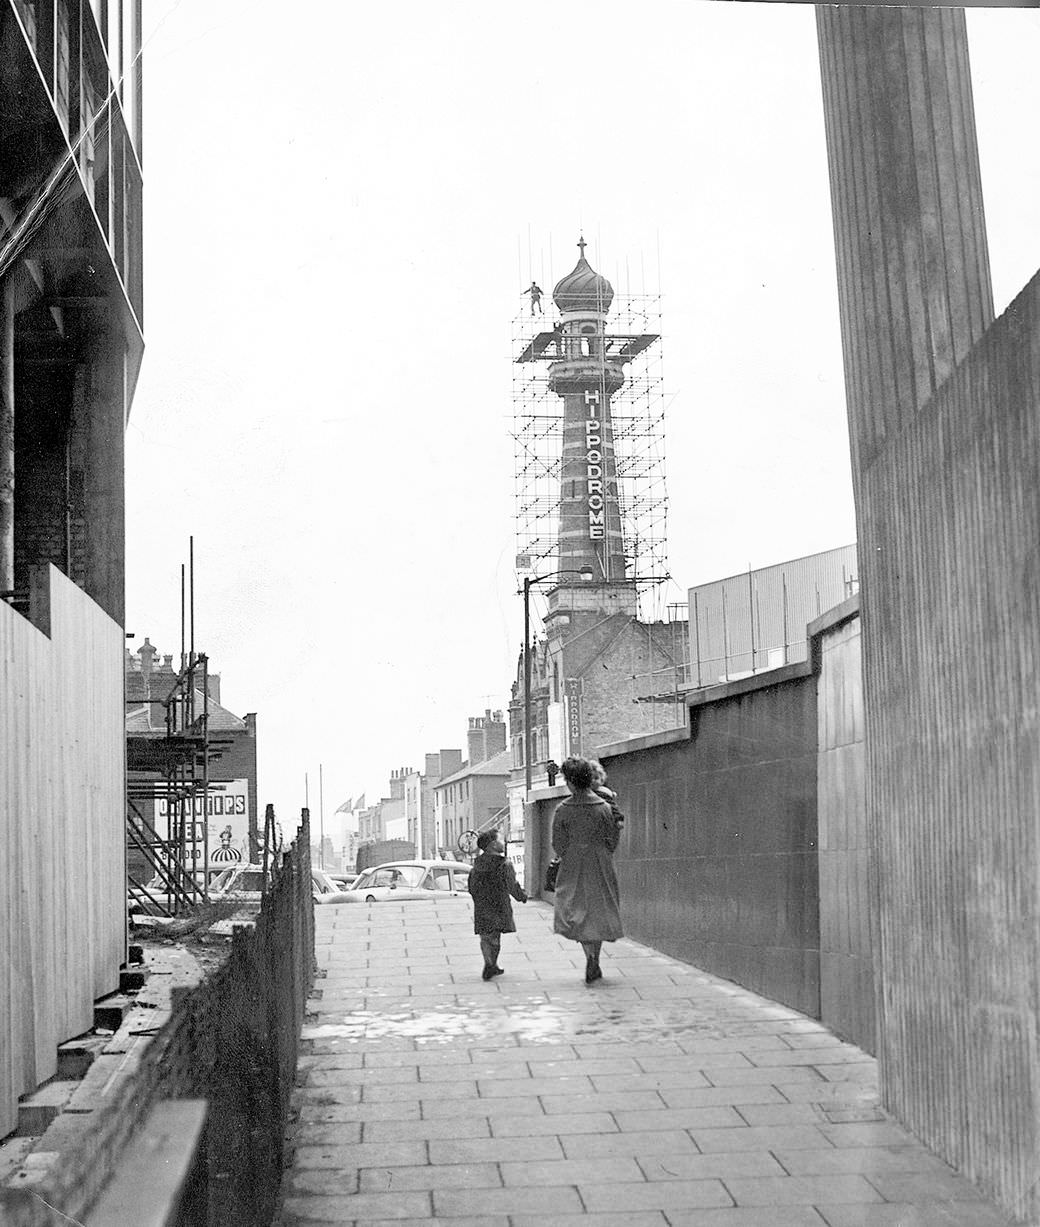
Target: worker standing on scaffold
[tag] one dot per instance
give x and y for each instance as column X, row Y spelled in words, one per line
column 536, row 297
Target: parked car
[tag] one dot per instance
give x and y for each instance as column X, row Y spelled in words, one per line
column 326, row 888
column 245, row 883
column 400, row 880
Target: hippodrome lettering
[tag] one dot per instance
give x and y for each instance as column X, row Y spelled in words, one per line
column 594, row 465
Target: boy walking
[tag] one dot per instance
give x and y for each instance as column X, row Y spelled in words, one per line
column 491, row 881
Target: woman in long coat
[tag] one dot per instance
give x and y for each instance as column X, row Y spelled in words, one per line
column 584, row 836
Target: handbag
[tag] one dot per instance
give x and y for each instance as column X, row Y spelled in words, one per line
column 551, row 871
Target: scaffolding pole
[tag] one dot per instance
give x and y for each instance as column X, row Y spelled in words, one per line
column 638, row 417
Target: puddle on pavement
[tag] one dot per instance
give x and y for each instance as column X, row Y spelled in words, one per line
column 528, row 1022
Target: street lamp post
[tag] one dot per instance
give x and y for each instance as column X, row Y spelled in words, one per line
column 586, row 573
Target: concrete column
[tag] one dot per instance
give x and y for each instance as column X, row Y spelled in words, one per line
column 7, row 435
column 944, row 472
column 96, row 475
column 913, row 265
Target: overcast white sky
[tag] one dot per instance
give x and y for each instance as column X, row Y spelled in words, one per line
column 335, row 201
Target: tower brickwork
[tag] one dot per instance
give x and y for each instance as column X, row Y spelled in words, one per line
column 585, row 378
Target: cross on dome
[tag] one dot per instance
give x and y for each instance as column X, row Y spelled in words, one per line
column 583, row 289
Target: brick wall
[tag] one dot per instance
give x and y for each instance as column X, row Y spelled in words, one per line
column 232, row 1040
column 609, row 710
column 41, row 496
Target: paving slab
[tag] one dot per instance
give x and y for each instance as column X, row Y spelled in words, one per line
column 661, row 1096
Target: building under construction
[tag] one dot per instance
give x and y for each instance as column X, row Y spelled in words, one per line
column 591, row 513
column 636, row 424
column 71, row 343
column 191, row 781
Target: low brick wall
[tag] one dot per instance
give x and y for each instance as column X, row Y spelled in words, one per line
column 231, row 1040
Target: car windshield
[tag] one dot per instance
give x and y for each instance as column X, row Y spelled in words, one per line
column 323, row 884
column 221, row 880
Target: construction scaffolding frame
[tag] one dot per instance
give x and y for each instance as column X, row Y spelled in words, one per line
column 638, row 417
column 167, row 796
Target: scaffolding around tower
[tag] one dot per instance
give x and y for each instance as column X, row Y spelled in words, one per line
column 638, row 416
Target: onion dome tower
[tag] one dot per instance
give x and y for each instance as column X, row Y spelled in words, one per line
column 585, row 376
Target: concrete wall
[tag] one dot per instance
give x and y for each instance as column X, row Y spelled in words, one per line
column 952, row 672
column 721, row 833
column 945, row 432
column 717, row 861
column 847, row 893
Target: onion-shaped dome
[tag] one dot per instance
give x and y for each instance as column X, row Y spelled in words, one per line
column 584, row 289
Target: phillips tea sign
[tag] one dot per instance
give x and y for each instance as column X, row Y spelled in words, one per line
column 223, row 815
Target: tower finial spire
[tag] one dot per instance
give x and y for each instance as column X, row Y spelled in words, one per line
column 582, row 245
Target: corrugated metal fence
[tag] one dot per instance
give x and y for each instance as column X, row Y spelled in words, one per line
column 756, row 621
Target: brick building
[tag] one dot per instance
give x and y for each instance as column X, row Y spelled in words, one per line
column 438, row 766
column 486, row 736
column 473, row 795
column 472, row 799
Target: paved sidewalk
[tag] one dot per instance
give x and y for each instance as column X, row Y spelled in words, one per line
column 658, row 1096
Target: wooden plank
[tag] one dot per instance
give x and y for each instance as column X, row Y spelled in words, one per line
column 61, row 829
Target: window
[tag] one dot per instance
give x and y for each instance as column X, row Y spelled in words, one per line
column 461, row 879
column 322, row 883
column 27, row 11
column 61, row 64
column 440, row 879
column 114, row 40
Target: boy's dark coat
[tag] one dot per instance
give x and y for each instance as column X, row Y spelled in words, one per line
column 491, row 882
